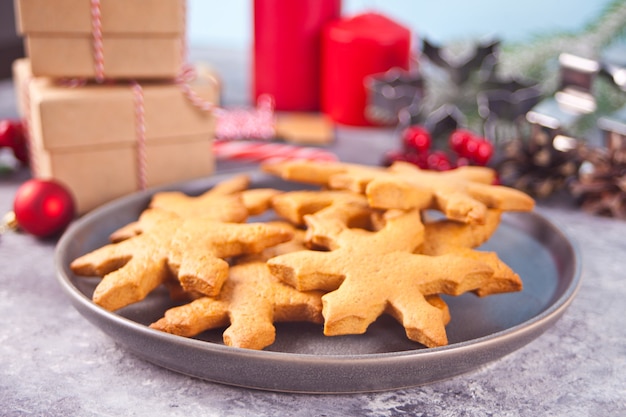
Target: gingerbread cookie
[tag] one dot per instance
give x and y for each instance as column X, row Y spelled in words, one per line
column 222, row 202
column 347, row 207
column 370, row 273
column 366, row 243
column 192, row 250
column 463, row 194
column 251, row 300
column 446, row 236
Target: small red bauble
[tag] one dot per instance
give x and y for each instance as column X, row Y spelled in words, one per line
column 43, row 207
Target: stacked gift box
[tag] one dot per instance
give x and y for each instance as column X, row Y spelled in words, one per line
column 109, row 106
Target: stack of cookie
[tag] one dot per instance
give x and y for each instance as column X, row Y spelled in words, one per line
column 368, row 241
column 110, row 106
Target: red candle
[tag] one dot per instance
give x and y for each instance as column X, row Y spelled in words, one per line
column 352, row 49
column 287, row 50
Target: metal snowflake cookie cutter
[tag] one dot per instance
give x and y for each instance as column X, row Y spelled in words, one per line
column 550, row 119
column 482, row 58
column 577, row 76
column 444, row 120
column 558, row 114
column 506, row 101
column 613, row 65
column 390, row 92
column 613, row 128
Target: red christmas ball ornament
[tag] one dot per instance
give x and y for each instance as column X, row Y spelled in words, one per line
column 43, row 207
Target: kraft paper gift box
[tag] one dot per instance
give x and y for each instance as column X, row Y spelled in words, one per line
column 87, row 136
column 141, row 39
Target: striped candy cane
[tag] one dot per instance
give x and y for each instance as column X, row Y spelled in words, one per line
column 268, row 152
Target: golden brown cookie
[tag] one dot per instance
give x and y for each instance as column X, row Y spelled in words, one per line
column 443, row 235
column 192, row 250
column 258, row 200
column 223, row 202
column 294, row 205
column 347, row 207
column 251, row 300
column 446, row 236
column 322, row 172
column 370, row 273
column 463, row 193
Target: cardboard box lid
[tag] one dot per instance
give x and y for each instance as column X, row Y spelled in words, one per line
column 131, row 57
column 94, row 114
column 118, row 16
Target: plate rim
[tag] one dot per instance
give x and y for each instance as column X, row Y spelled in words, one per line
column 528, row 329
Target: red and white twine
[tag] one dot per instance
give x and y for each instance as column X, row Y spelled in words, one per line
column 268, row 152
column 98, row 48
column 140, row 133
column 257, row 123
column 233, row 124
column 183, row 79
column 241, row 123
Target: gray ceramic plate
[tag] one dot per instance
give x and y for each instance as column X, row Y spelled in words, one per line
column 482, row 330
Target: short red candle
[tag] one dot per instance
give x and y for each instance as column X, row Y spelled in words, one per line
column 287, row 36
column 352, row 49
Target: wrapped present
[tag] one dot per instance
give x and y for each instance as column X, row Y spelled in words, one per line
column 117, row 38
column 108, row 140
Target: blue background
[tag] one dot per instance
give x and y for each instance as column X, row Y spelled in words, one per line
column 229, row 23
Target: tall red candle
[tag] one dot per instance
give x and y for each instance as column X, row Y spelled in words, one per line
column 352, row 49
column 287, row 37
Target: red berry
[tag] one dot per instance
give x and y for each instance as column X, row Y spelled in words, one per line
column 470, row 149
column 418, row 159
column 483, row 153
column 20, row 147
column 393, row 156
column 462, row 162
column 458, row 140
column 416, row 138
column 12, row 136
column 8, row 132
column 439, row 161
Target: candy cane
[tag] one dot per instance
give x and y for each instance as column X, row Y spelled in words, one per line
column 268, row 152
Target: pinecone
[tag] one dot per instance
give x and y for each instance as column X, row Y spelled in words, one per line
column 601, row 183
column 536, row 166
